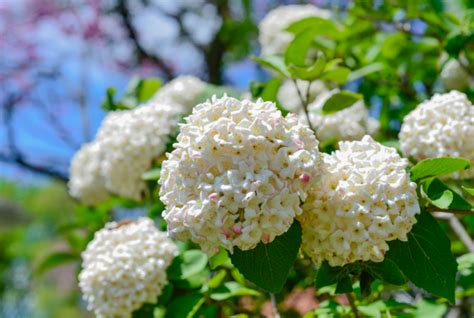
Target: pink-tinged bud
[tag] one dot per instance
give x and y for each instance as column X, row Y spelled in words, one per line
column 299, row 143
column 237, row 228
column 213, row 196
column 226, row 231
column 266, row 238
column 305, row 178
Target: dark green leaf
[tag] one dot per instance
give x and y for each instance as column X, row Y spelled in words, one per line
column 434, row 167
column 386, row 271
column 184, row 306
column 273, row 62
column 365, row 280
column 344, row 285
column 435, row 189
column 55, row 260
column 328, row 275
column 468, row 190
column 426, row 257
column 443, row 201
column 339, row 101
column 267, row 265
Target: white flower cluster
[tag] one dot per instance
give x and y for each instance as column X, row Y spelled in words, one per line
column 86, row 182
column 183, row 91
column 365, row 199
column 273, row 38
column 441, row 126
column 130, row 141
column 454, row 76
column 237, row 174
column 288, row 95
column 351, row 123
column 124, row 266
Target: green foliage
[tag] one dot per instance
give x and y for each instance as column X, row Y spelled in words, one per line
column 435, row 167
column 267, row 265
column 339, row 101
column 426, row 257
column 138, row 91
column 56, row 259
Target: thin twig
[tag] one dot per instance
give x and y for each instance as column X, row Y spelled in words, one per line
column 274, row 306
column 351, row 300
column 458, row 229
column 452, row 211
column 304, row 102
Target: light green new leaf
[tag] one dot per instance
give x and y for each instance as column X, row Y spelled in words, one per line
column 338, row 75
column 468, row 190
column 434, row 167
column 267, row 265
column 273, row 62
column 151, row 175
column 309, row 73
column 339, row 101
column 232, row 289
column 319, row 26
column 426, row 258
column 441, row 196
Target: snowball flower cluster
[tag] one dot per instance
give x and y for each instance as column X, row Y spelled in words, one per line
column 182, row 91
column 351, row 123
column 273, row 38
column 86, row 183
column 237, row 174
column 365, row 199
column 288, row 94
column 454, row 76
column 124, row 266
column 441, row 126
column 131, row 140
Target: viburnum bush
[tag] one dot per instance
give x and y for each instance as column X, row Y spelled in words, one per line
column 331, row 182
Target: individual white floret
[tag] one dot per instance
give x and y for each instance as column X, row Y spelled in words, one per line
column 365, row 199
column 442, row 126
column 273, row 38
column 86, row 182
column 237, row 174
column 351, row 123
column 124, row 266
column 454, row 76
column 131, row 140
column 288, row 95
column 183, row 91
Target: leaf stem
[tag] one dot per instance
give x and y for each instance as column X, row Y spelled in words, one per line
column 274, row 306
column 452, row 211
column 304, row 102
column 351, row 299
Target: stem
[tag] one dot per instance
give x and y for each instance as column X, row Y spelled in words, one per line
column 351, row 300
column 452, row 211
column 457, row 228
column 274, row 306
column 304, row 102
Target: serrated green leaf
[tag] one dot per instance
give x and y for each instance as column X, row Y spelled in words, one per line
column 54, row 260
column 426, row 258
column 232, row 289
column 273, row 62
column 338, row 75
column 434, row 167
column 267, row 265
column 339, row 101
column 152, row 175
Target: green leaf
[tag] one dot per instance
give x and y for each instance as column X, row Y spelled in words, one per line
column 468, row 190
column 386, row 271
column 190, row 263
column 344, row 285
column 426, row 258
column 55, row 260
column 338, row 75
column 466, row 271
column 309, row 73
column 184, row 306
column 339, row 101
column 428, row 308
column 219, row 259
column 232, row 289
column 267, row 265
column 435, row 189
column 297, row 51
column 317, row 25
column 273, row 62
column 329, row 275
column 147, row 88
column 434, row 167
column 443, row 201
column 151, row 175
column 366, row 70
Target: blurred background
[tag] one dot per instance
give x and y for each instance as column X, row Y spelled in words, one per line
column 57, row 59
